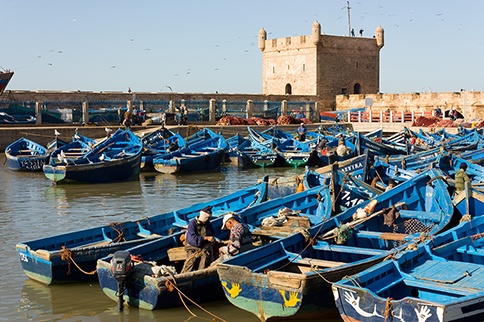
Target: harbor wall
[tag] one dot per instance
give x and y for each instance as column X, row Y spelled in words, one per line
column 470, row 104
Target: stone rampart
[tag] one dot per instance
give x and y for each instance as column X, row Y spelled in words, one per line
column 470, row 104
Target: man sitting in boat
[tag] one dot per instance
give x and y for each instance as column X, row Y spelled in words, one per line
column 301, row 132
column 341, row 150
column 240, row 239
column 461, row 178
column 199, row 241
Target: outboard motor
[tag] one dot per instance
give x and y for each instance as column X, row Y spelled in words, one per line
column 121, row 266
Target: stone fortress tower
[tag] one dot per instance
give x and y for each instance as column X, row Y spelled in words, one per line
column 321, row 65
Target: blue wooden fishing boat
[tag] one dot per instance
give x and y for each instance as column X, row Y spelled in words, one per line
column 474, row 156
column 203, row 155
column 357, row 167
column 376, row 148
column 441, row 280
column 69, row 152
column 382, row 173
column 142, row 289
column 157, row 143
column 251, row 153
column 25, row 155
column 470, row 201
column 292, row 277
column 269, row 140
column 294, row 152
column 233, row 143
column 117, row 158
column 328, row 155
column 450, row 164
column 51, row 259
column 201, row 135
column 415, row 161
column 346, row 190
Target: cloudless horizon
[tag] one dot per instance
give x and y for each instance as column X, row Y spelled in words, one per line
column 211, row 46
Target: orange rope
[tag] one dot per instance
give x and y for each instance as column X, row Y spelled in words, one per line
column 388, row 308
column 172, row 285
column 66, row 255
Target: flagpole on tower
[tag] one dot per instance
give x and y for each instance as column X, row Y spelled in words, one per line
column 349, row 20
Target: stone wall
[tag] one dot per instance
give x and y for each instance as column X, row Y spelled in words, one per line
column 470, row 104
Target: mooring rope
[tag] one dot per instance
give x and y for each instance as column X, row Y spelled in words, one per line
column 66, row 255
column 44, row 136
column 172, row 285
column 388, row 308
column 310, row 242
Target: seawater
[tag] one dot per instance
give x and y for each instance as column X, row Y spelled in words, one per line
column 31, row 208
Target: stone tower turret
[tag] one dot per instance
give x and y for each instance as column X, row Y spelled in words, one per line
column 379, row 33
column 262, row 39
column 316, row 33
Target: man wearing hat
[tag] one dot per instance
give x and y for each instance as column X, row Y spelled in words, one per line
column 301, row 132
column 199, row 241
column 240, row 239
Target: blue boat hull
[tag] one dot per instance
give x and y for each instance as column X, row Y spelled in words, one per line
column 439, row 281
column 25, row 155
column 292, row 278
column 112, row 171
column 27, row 164
column 151, row 293
column 42, row 259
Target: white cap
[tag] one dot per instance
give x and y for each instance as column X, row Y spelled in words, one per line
column 226, row 218
column 205, row 214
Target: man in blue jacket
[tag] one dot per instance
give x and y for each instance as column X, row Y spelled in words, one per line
column 199, row 241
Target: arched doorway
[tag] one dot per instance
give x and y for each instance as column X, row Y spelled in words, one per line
column 357, row 88
column 288, row 90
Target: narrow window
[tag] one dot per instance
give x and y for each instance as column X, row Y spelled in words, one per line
column 304, row 67
column 288, row 89
column 357, row 89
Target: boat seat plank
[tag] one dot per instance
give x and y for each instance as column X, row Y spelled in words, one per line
column 442, row 287
column 471, row 251
column 319, row 262
column 177, row 254
column 380, row 235
column 349, row 249
column 421, row 215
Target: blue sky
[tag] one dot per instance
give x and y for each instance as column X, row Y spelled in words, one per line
column 207, row 46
